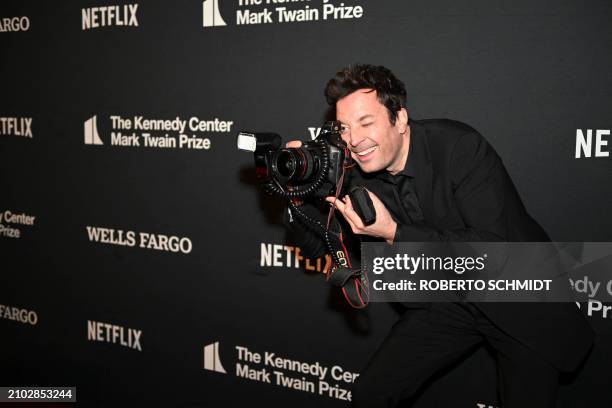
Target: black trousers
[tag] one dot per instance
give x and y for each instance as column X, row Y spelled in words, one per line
column 423, row 342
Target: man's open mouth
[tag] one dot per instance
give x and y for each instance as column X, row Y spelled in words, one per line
column 366, row 152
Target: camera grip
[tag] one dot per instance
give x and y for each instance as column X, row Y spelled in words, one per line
column 363, row 205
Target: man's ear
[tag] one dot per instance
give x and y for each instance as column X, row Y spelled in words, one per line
column 401, row 123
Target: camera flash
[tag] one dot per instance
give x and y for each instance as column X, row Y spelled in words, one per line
column 247, row 141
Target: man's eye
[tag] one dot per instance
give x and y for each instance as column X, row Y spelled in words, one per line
column 366, row 124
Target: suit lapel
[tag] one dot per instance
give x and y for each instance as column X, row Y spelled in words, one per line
column 398, row 209
column 422, row 167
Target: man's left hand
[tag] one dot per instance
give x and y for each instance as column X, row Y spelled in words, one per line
column 384, row 227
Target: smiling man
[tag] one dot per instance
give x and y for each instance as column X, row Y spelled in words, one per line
column 379, row 140
column 440, row 180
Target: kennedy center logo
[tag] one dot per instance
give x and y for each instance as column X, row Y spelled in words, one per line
column 210, row 14
column 91, row 131
column 211, row 358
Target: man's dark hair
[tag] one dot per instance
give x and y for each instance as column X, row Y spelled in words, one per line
column 390, row 91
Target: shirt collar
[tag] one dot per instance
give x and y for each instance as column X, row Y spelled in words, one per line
column 408, row 169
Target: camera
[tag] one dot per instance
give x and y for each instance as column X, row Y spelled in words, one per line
column 315, row 169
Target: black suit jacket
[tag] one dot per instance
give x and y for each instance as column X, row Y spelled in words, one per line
column 466, row 195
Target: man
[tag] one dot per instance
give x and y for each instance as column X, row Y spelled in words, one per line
column 439, row 180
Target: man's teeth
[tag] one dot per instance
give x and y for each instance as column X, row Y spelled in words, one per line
column 364, row 152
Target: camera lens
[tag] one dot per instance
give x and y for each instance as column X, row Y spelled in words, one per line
column 294, row 164
column 286, row 163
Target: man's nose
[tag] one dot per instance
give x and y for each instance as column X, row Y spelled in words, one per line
column 356, row 138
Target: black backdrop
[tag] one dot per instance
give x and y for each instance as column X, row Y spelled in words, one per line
column 532, row 76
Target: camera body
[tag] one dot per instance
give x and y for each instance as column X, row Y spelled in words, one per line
column 314, row 169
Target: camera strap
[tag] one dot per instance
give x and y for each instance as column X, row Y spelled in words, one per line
column 352, row 281
column 341, row 273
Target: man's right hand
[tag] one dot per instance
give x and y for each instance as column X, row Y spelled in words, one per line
column 294, row 144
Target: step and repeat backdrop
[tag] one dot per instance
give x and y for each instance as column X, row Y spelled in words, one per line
column 141, row 263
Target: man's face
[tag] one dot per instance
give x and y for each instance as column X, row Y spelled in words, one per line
column 374, row 142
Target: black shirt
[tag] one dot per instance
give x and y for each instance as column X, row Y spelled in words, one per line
column 403, row 182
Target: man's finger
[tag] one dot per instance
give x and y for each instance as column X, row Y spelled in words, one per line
column 337, row 202
column 375, row 200
column 341, row 206
column 351, row 215
column 294, row 144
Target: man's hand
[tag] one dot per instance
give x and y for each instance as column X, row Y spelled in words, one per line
column 294, row 144
column 384, row 227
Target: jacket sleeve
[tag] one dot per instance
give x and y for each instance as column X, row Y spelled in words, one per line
column 310, row 243
column 479, row 185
